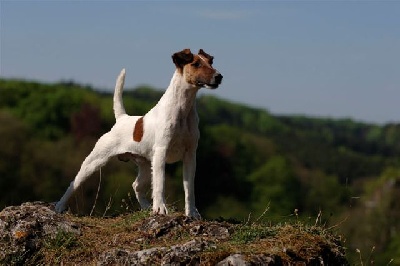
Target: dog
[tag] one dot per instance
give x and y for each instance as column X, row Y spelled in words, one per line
column 166, row 134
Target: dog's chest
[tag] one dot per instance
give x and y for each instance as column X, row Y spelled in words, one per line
column 184, row 136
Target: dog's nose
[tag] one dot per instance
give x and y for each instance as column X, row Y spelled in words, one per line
column 218, row 78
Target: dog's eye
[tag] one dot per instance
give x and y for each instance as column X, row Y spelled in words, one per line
column 196, row 64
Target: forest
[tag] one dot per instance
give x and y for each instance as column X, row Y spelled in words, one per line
column 251, row 164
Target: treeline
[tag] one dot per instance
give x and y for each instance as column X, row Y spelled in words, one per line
column 248, row 160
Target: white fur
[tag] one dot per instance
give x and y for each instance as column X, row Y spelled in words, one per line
column 170, row 134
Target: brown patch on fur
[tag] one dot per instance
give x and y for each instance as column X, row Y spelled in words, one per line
column 138, row 130
column 209, row 58
column 182, row 58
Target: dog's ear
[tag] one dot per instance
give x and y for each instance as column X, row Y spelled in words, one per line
column 210, row 58
column 182, row 58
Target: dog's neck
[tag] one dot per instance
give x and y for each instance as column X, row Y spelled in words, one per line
column 179, row 98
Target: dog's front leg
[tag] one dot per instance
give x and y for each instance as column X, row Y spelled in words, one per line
column 189, row 171
column 158, row 165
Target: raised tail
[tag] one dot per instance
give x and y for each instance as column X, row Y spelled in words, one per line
column 119, row 109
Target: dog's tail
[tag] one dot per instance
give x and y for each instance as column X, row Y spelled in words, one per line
column 119, row 109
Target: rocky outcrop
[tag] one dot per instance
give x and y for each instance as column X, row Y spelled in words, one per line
column 33, row 234
column 23, row 230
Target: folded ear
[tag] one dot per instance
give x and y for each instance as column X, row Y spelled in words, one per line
column 210, row 58
column 182, row 58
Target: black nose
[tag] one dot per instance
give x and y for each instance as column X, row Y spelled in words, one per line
column 218, row 78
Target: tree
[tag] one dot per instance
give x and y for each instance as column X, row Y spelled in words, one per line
column 276, row 185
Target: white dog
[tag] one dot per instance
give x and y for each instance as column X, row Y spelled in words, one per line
column 167, row 133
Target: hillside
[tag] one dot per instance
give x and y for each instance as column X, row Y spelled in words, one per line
column 248, row 160
column 33, row 234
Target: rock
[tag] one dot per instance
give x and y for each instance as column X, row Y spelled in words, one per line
column 211, row 230
column 125, row 257
column 157, row 226
column 239, row 260
column 234, row 260
column 24, row 228
column 185, row 254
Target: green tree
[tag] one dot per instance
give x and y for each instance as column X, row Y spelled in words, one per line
column 13, row 137
column 275, row 185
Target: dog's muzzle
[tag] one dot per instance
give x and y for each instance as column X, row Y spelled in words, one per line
column 216, row 81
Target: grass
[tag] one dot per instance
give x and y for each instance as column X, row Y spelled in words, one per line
column 62, row 240
column 250, row 233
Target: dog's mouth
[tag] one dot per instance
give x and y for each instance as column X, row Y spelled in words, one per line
column 208, row 85
column 211, row 86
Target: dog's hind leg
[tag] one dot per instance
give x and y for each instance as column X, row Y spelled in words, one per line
column 143, row 181
column 103, row 150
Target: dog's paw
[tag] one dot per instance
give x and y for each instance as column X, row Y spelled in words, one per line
column 60, row 208
column 193, row 213
column 144, row 204
column 160, row 208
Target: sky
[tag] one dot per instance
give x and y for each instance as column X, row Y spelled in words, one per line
column 338, row 59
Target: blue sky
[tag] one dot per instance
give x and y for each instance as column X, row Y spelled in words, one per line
column 321, row 58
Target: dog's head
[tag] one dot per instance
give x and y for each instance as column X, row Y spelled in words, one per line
column 197, row 68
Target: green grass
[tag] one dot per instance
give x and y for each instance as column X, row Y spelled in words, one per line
column 249, row 233
column 62, row 240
